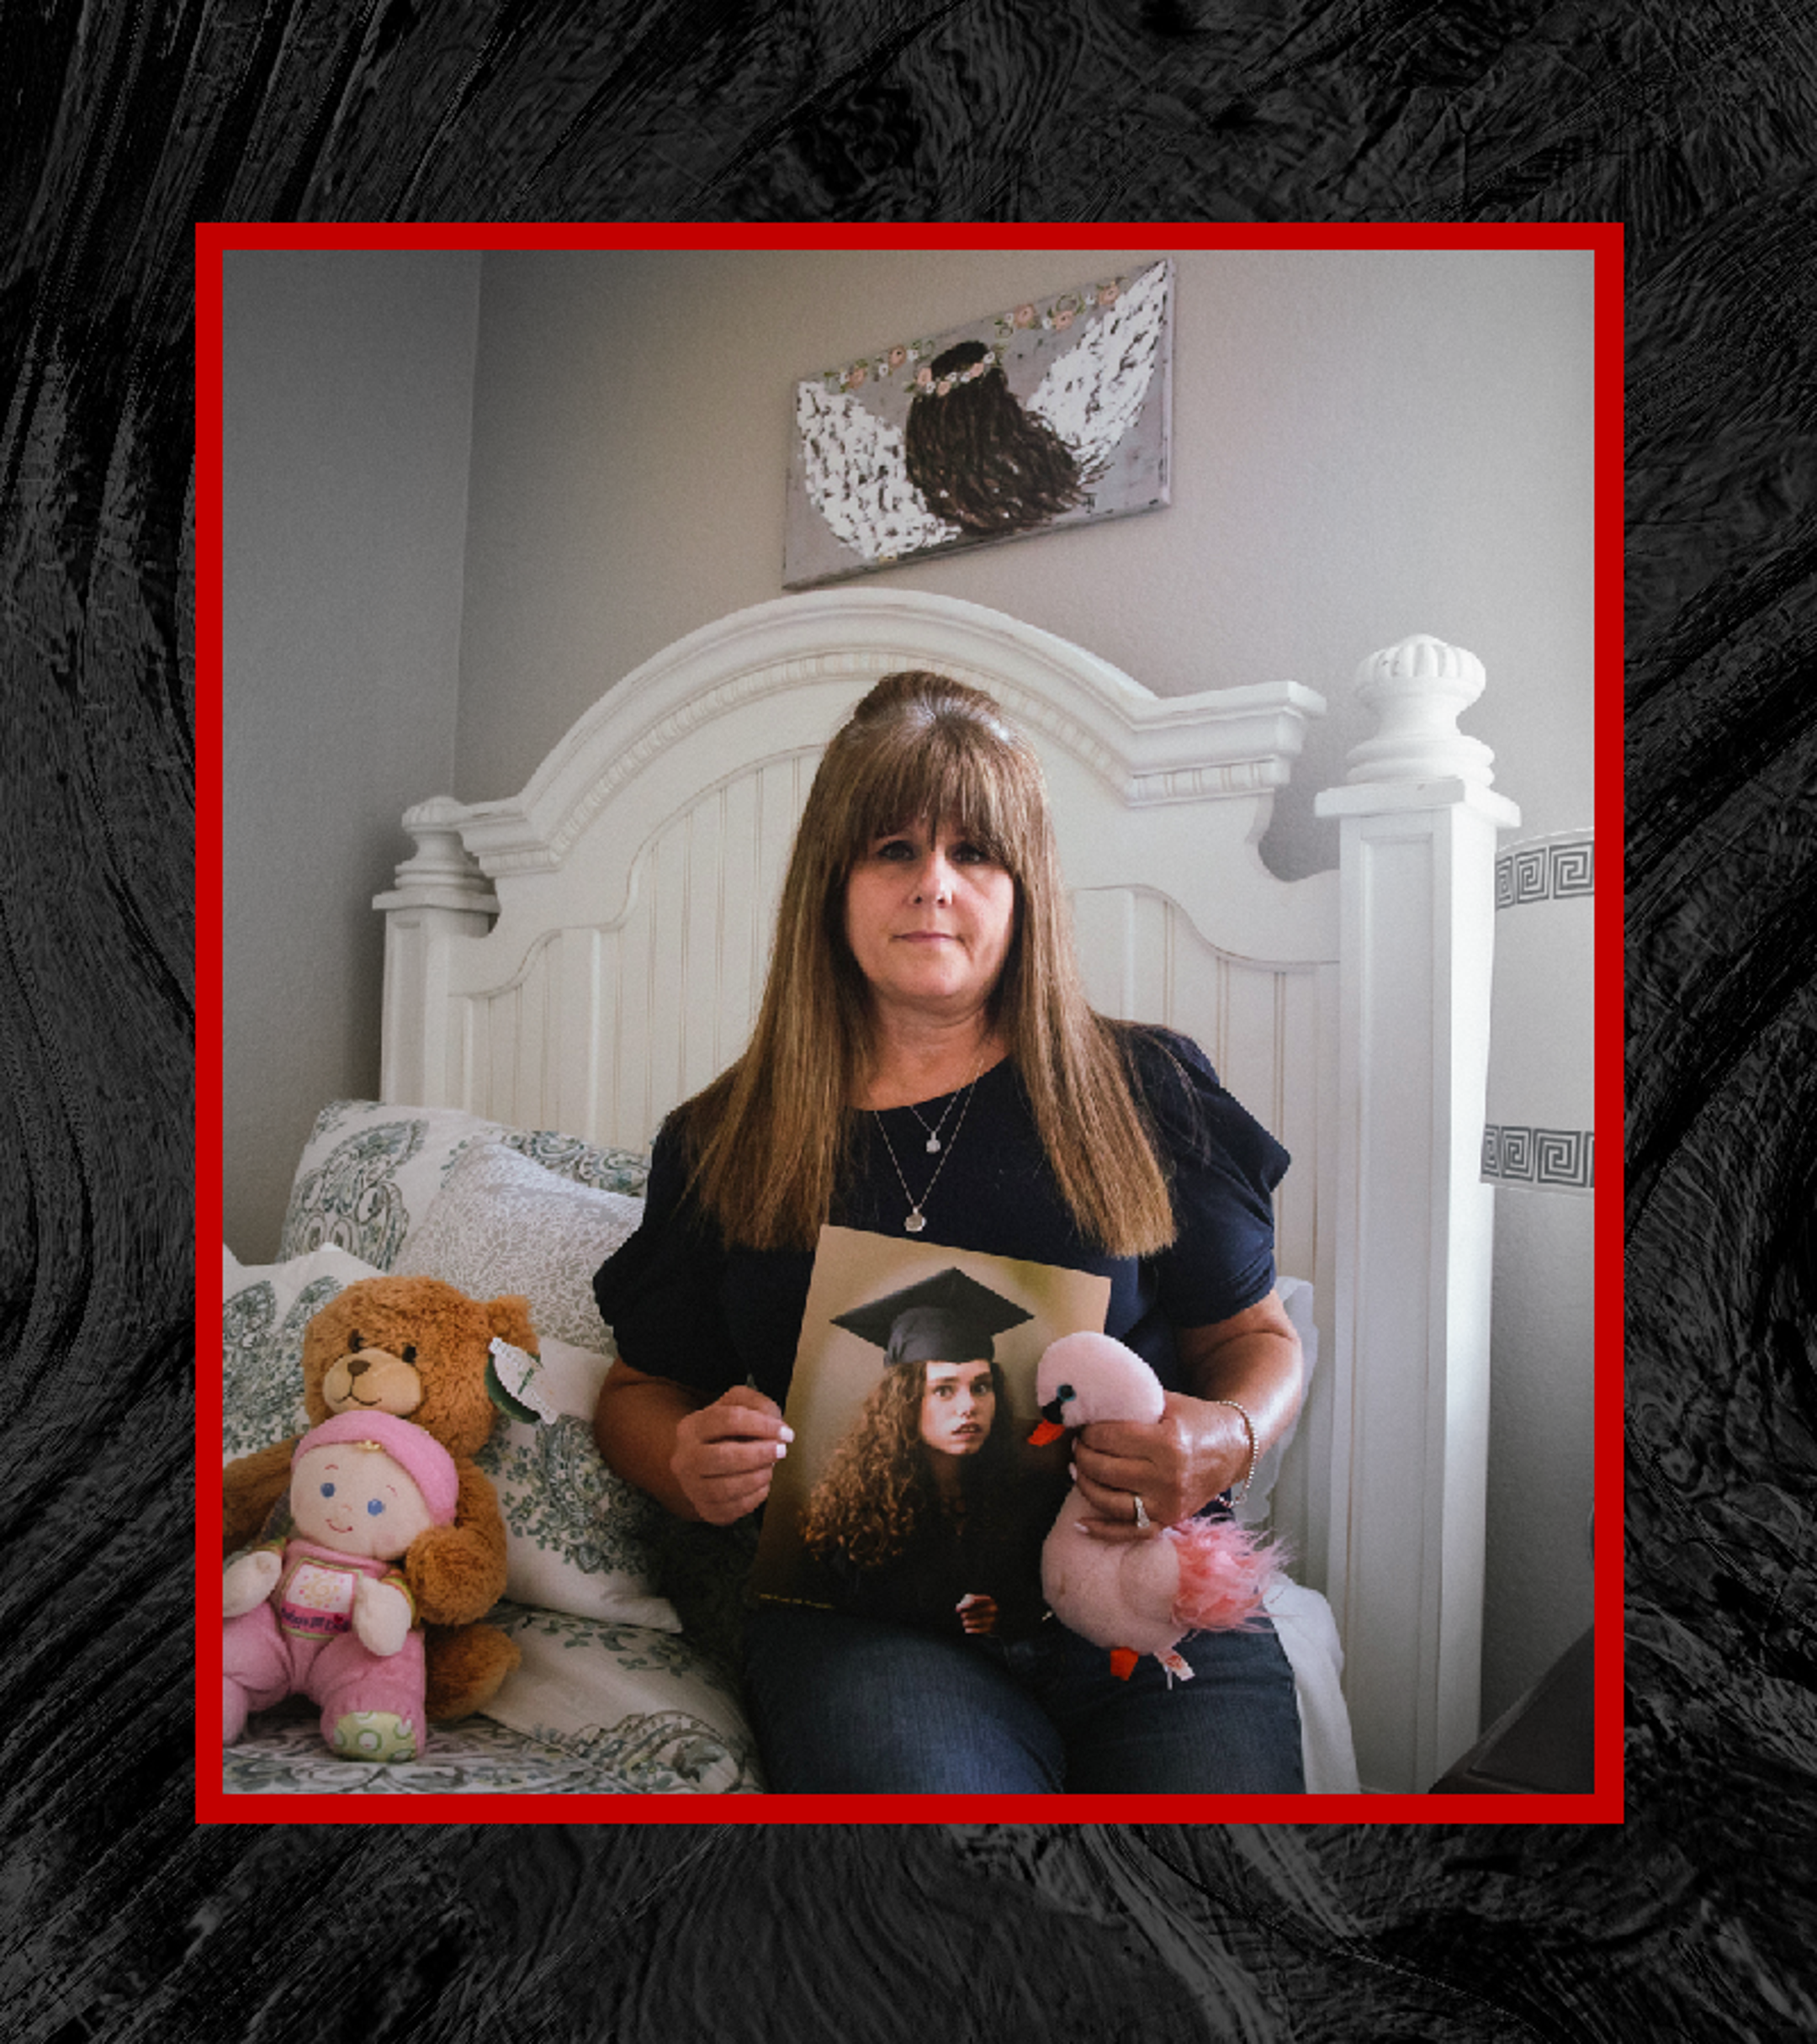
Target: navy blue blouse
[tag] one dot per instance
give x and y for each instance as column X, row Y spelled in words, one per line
column 682, row 1305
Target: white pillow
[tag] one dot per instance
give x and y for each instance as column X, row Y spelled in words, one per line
column 264, row 1310
column 502, row 1224
column 577, row 1537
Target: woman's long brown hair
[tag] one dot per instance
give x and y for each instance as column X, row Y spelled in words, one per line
column 769, row 1136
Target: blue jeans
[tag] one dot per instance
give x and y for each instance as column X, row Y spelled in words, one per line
column 844, row 1705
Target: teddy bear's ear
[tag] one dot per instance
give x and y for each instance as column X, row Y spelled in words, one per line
column 510, row 1318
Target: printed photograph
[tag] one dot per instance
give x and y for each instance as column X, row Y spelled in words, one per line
column 913, row 1491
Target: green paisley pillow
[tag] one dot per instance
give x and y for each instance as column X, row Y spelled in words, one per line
column 641, row 1704
column 369, row 1172
column 577, row 1537
column 263, row 1313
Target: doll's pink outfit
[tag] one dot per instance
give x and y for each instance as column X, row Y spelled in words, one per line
column 301, row 1642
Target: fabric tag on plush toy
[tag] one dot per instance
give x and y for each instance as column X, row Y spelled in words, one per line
column 513, row 1386
column 317, row 1600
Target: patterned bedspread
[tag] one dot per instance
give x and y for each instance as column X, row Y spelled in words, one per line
column 597, row 1708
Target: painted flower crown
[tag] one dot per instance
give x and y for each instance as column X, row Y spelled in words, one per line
column 916, row 356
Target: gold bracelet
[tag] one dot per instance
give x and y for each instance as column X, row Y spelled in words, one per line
column 1255, row 1446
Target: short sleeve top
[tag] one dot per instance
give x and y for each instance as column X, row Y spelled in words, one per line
column 683, row 1304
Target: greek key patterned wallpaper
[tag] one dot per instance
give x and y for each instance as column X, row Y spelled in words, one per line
column 1550, row 869
column 1540, row 1156
column 1547, row 869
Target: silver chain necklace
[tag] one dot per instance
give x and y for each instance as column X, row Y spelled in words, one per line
column 917, row 1219
column 933, row 1134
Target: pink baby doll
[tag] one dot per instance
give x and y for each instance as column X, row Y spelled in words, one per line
column 322, row 1612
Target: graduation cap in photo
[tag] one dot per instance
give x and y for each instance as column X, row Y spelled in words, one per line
column 949, row 1318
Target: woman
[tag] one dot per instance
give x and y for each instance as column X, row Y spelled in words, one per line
column 924, row 1058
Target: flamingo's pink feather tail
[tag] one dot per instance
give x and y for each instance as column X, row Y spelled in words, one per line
column 1224, row 1569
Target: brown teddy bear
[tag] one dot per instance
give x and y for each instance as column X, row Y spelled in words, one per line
column 420, row 1349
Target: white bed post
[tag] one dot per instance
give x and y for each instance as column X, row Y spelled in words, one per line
column 440, row 895
column 1411, row 1379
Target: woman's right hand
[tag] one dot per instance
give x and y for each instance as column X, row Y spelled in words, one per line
column 711, row 1462
column 726, row 1453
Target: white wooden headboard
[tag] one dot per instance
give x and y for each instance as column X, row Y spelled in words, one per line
column 586, row 954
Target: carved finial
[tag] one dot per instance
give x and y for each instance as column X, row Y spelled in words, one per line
column 1417, row 690
column 442, row 873
column 441, row 859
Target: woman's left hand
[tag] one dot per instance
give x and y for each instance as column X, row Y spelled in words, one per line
column 1193, row 1451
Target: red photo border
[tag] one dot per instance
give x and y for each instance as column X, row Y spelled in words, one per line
column 1605, row 1805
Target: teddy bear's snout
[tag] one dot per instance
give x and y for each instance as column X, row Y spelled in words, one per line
column 375, row 1379
column 378, row 1358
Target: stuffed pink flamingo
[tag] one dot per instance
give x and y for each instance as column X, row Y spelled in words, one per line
column 1136, row 1597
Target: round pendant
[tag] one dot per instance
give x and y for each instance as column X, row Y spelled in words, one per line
column 933, row 1144
column 915, row 1223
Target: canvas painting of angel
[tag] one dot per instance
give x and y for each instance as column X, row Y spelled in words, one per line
column 1053, row 413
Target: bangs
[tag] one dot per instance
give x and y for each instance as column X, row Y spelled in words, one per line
column 988, row 788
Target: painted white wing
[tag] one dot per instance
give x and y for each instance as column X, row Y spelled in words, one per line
column 852, row 463
column 1092, row 394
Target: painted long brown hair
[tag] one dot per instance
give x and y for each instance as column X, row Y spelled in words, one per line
column 978, row 458
column 769, row 1136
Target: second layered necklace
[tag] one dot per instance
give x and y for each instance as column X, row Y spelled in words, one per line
column 917, row 1218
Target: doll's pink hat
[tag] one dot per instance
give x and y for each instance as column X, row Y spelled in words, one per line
column 422, row 1457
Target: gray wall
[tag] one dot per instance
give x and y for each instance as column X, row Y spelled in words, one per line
column 1365, row 444
column 349, row 388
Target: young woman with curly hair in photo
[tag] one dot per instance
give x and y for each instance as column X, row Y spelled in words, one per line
column 912, row 1518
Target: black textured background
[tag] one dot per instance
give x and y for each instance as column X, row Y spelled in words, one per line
column 119, row 126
